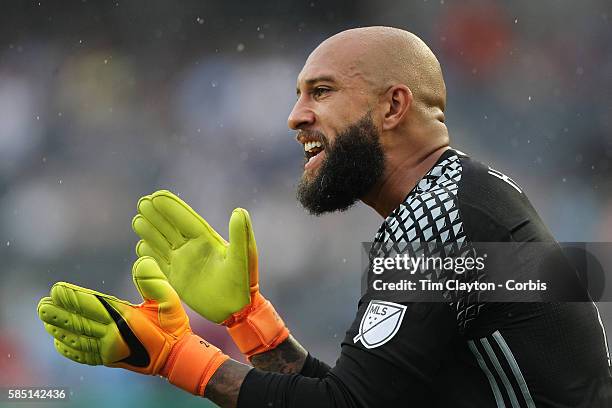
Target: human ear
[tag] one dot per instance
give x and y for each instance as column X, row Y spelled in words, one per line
column 399, row 100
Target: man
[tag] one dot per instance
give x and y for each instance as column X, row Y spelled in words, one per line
column 370, row 115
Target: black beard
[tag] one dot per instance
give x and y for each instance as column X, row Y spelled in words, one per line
column 351, row 167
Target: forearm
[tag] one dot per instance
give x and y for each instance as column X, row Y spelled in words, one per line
column 235, row 383
column 360, row 378
column 290, row 358
column 287, row 358
column 224, row 386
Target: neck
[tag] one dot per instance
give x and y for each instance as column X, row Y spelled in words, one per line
column 401, row 176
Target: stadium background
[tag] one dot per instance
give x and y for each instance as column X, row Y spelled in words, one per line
column 103, row 102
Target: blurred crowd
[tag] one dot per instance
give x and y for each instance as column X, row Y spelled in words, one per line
column 103, row 102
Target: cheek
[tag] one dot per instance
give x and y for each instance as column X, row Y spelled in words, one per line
column 336, row 117
column 329, row 123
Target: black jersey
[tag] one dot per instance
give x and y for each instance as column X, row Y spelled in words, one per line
column 464, row 352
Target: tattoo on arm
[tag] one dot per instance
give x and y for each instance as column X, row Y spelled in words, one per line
column 287, row 358
column 224, row 386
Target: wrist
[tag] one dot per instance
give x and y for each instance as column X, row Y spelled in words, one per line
column 256, row 328
column 191, row 363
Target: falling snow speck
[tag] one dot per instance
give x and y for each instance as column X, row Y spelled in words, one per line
column 200, row 20
column 516, row 21
column 240, row 47
column 60, row 181
column 529, row 98
column 8, row 243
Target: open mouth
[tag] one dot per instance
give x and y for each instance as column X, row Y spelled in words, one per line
column 314, row 151
column 311, row 149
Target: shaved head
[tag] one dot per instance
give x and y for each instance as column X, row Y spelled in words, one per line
column 385, row 56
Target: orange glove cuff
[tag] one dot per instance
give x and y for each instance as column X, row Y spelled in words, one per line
column 191, row 363
column 257, row 328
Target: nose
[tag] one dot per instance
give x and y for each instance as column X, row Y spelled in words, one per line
column 300, row 117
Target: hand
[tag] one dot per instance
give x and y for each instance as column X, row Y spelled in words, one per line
column 216, row 278
column 153, row 337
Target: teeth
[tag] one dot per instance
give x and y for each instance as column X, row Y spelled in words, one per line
column 308, row 146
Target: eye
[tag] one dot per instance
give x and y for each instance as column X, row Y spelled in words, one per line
column 319, row 91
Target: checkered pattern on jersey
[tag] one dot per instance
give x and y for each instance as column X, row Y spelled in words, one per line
column 428, row 224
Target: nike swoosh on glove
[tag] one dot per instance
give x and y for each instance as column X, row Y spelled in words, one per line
column 153, row 337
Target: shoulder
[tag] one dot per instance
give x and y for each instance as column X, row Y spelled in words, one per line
column 494, row 207
column 482, row 185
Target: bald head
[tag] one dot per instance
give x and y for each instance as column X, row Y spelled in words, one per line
column 383, row 57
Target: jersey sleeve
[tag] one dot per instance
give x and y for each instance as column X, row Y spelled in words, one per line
column 398, row 371
column 314, row 368
column 553, row 349
column 494, row 208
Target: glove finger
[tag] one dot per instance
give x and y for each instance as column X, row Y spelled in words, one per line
column 183, row 217
column 82, row 357
column 144, row 249
column 242, row 242
column 53, row 315
column 148, row 211
column 153, row 284
column 149, row 233
column 44, row 302
column 78, row 342
column 84, row 304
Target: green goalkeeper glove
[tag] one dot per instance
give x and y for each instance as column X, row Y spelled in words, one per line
column 153, row 337
column 217, row 279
